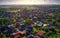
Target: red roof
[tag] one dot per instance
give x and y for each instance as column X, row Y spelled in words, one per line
column 16, row 35
column 40, row 32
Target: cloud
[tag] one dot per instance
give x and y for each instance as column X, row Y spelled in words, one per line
column 29, row 2
column 21, row 2
column 56, row 1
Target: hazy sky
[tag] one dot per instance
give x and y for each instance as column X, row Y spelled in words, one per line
column 28, row 2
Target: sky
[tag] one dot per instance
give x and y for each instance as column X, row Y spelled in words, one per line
column 28, row 2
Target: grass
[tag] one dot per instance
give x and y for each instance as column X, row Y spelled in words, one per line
column 12, row 10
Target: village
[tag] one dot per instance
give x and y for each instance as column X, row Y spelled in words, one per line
column 29, row 22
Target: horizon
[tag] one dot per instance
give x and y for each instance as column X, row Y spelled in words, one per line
column 29, row 5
